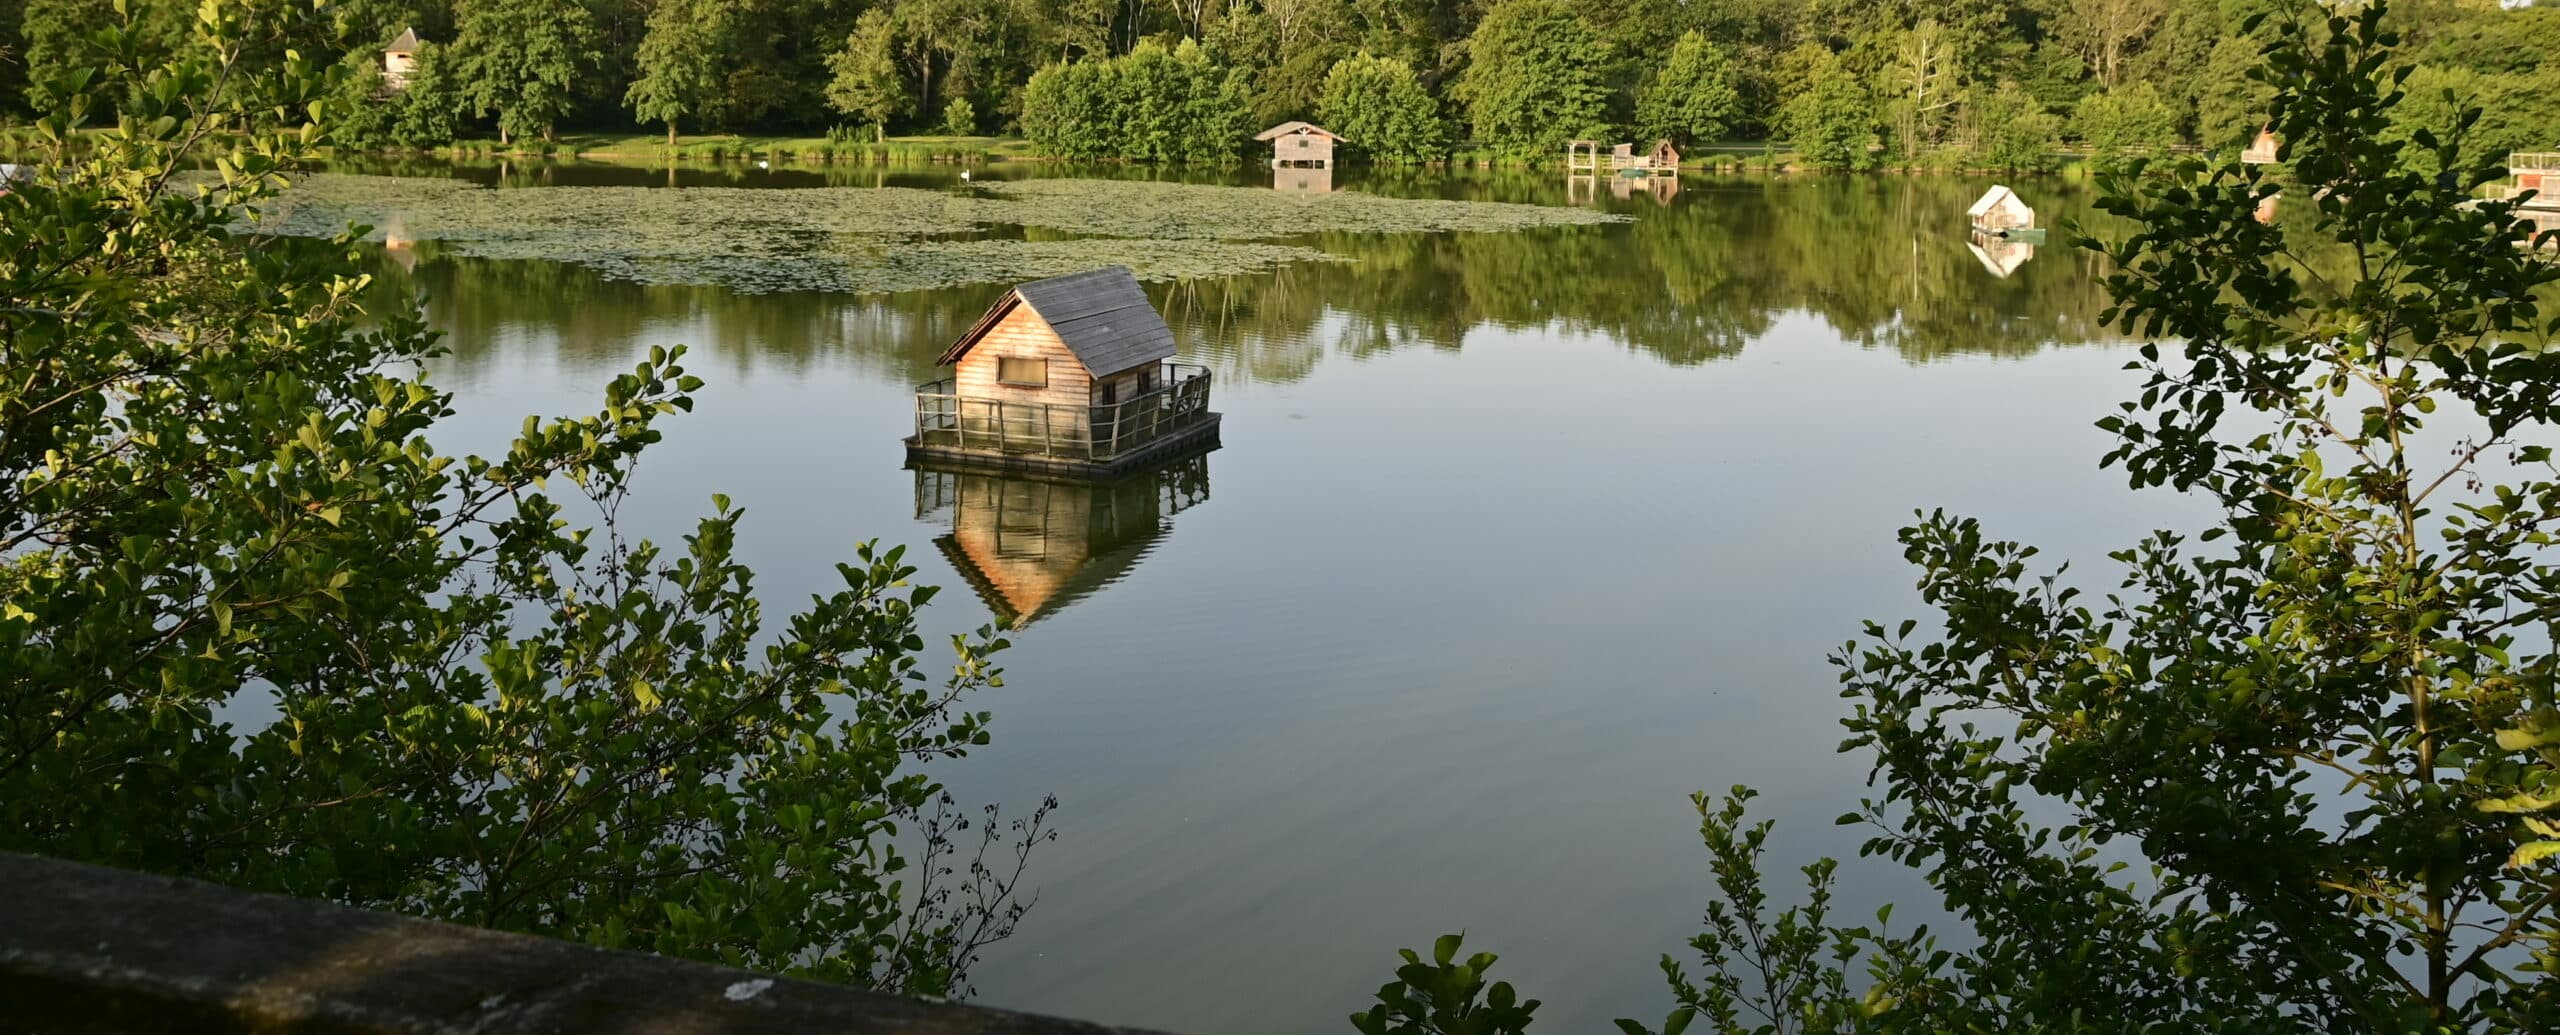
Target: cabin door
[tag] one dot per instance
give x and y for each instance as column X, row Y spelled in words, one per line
column 1106, row 417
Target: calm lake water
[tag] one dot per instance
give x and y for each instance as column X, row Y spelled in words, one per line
column 1514, row 542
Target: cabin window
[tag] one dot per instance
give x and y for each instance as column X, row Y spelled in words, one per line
column 1027, row 373
column 1302, row 141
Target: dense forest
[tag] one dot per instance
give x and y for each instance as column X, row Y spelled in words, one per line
column 1841, row 83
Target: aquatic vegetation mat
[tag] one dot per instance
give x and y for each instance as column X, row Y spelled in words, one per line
column 872, row 239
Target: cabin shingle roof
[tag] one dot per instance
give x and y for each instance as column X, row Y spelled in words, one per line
column 406, row 43
column 1102, row 316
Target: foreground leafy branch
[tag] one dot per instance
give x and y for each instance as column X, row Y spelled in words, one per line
column 2301, row 771
column 254, row 627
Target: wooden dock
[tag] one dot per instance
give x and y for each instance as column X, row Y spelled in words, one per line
column 1583, row 158
column 2539, row 172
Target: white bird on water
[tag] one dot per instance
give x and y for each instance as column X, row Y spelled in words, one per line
column 964, row 175
column 762, row 164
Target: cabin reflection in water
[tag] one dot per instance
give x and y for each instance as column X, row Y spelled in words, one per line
column 1303, row 180
column 1585, row 190
column 2000, row 255
column 1031, row 545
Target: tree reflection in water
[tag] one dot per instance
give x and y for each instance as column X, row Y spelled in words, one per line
column 1883, row 261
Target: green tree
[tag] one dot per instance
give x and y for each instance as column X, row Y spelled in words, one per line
column 2011, row 131
column 428, row 111
column 365, row 112
column 863, row 74
column 1694, row 97
column 2517, row 111
column 1533, row 80
column 1382, row 110
column 1155, row 104
column 1923, row 83
column 1070, row 110
column 1830, row 120
column 2108, row 34
column 520, row 59
column 2120, row 123
column 680, row 62
column 57, row 36
column 255, row 628
column 2231, row 100
column 959, row 118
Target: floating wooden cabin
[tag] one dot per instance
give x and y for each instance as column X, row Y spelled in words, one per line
column 1031, row 545
column 1300, row 145
column 399, row 59
column 1070, row 375
column 2536, row 171
column 2262, row 148
column 2000, row 213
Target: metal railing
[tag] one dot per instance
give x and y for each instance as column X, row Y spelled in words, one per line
column 948, row 420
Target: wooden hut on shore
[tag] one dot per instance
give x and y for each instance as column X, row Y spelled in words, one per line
column 1582, row 157
column 399, row 59
column 1999, row 211
column 1070, row 375
column 1300, row 145
column 2536, row 171
column 2262, row 148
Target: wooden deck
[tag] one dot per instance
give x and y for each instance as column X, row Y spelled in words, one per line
column 1583, row 158
column 2539, row 172
column 1091, row 441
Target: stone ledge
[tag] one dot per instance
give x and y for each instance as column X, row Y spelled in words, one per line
column 87, row 949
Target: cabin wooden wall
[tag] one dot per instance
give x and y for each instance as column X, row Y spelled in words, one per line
column 1023, row 335
column 1302, row 147
column 1128, row 383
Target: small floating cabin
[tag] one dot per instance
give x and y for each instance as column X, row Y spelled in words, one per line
column 2000, row 213
column 1301, row 145
column 1070, row 375
column 399, row 59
